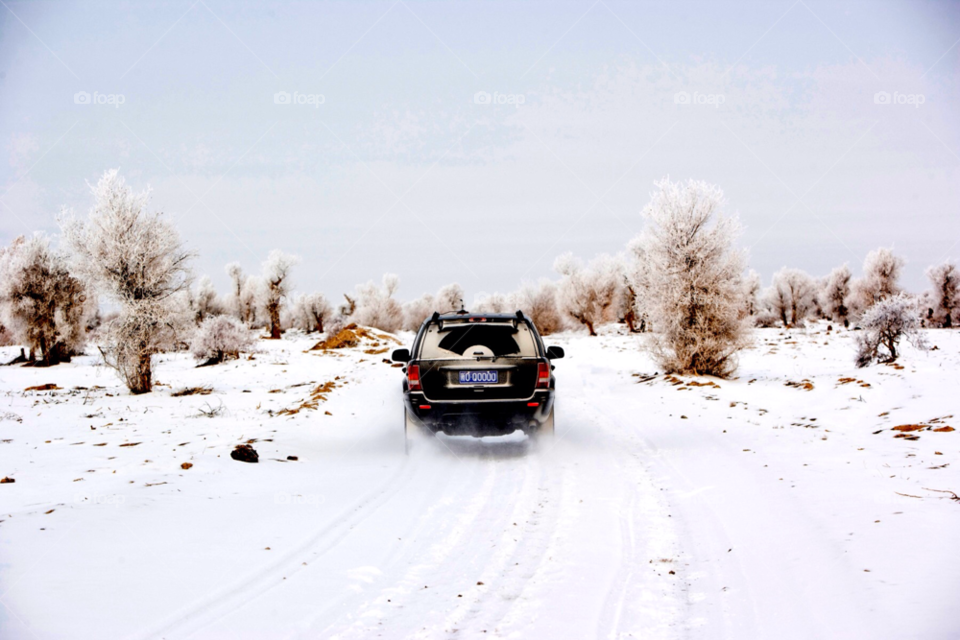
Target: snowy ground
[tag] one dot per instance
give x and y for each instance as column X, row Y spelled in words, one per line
column 665, row 508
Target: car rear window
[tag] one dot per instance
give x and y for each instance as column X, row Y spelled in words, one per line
column 473, row 340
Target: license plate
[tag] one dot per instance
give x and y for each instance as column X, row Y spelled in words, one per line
column 478, row 377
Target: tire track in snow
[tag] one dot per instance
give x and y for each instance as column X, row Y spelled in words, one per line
column 356, row 606
column 505, row 574
column 222, row 602
column 459, row 534
column 578, row 549
column 637, row 603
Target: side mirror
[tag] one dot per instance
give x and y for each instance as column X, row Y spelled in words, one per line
column 554, row 353
column 401, row 355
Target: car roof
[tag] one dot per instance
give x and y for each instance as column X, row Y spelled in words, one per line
column 466, row 315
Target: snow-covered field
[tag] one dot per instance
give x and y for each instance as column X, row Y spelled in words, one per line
column 778, row 504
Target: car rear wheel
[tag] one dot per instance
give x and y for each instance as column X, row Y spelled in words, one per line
column 411, row 430
column 546, row 427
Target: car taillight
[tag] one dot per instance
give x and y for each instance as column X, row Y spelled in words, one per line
column 543, row 375
column 413, row 377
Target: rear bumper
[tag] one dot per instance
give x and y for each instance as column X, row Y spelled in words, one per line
column 491, row 417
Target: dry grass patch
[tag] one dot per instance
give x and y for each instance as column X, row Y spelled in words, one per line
column 317, row 395
column 353, row 335
column 43, row 387
column 192, row 391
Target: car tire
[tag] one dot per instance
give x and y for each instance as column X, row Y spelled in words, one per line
column 410, row 431
column 545, row 430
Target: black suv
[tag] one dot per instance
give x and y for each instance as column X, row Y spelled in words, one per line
column 479, row 375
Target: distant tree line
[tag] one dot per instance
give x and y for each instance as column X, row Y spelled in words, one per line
column 683, row 281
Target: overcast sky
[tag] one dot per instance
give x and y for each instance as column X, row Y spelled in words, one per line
column 476, row 141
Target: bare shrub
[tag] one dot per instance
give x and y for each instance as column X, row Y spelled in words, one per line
column 220, row 338
column 945, row 296
column 693, row 279
column 884, row 325
column 43, row 305
column 136, row 259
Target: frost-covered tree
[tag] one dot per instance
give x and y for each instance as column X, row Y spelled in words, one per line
column 310, row 312
column 276, row 287
column 206, row 303
column 627, row 305
column 220, row 338
column 252, row 294
column 881, row 276
column 539, row 303
column 375, row 306
column 834, row 295
column 945, row 295
column 136, row 259
column 6, row 338
column 588, row 293
column 635, row 283
column 884, row 325
column 492, row 303
column 693, row 282
column 448, row 299
column 235, row 272
column 793, row 296
column 417, row 310
column 45, row 307
column 752, row 290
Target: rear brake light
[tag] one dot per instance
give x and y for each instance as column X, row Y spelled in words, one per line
column 424, row 406
column 413, row 377
column 533, row 404
column 543, row 375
